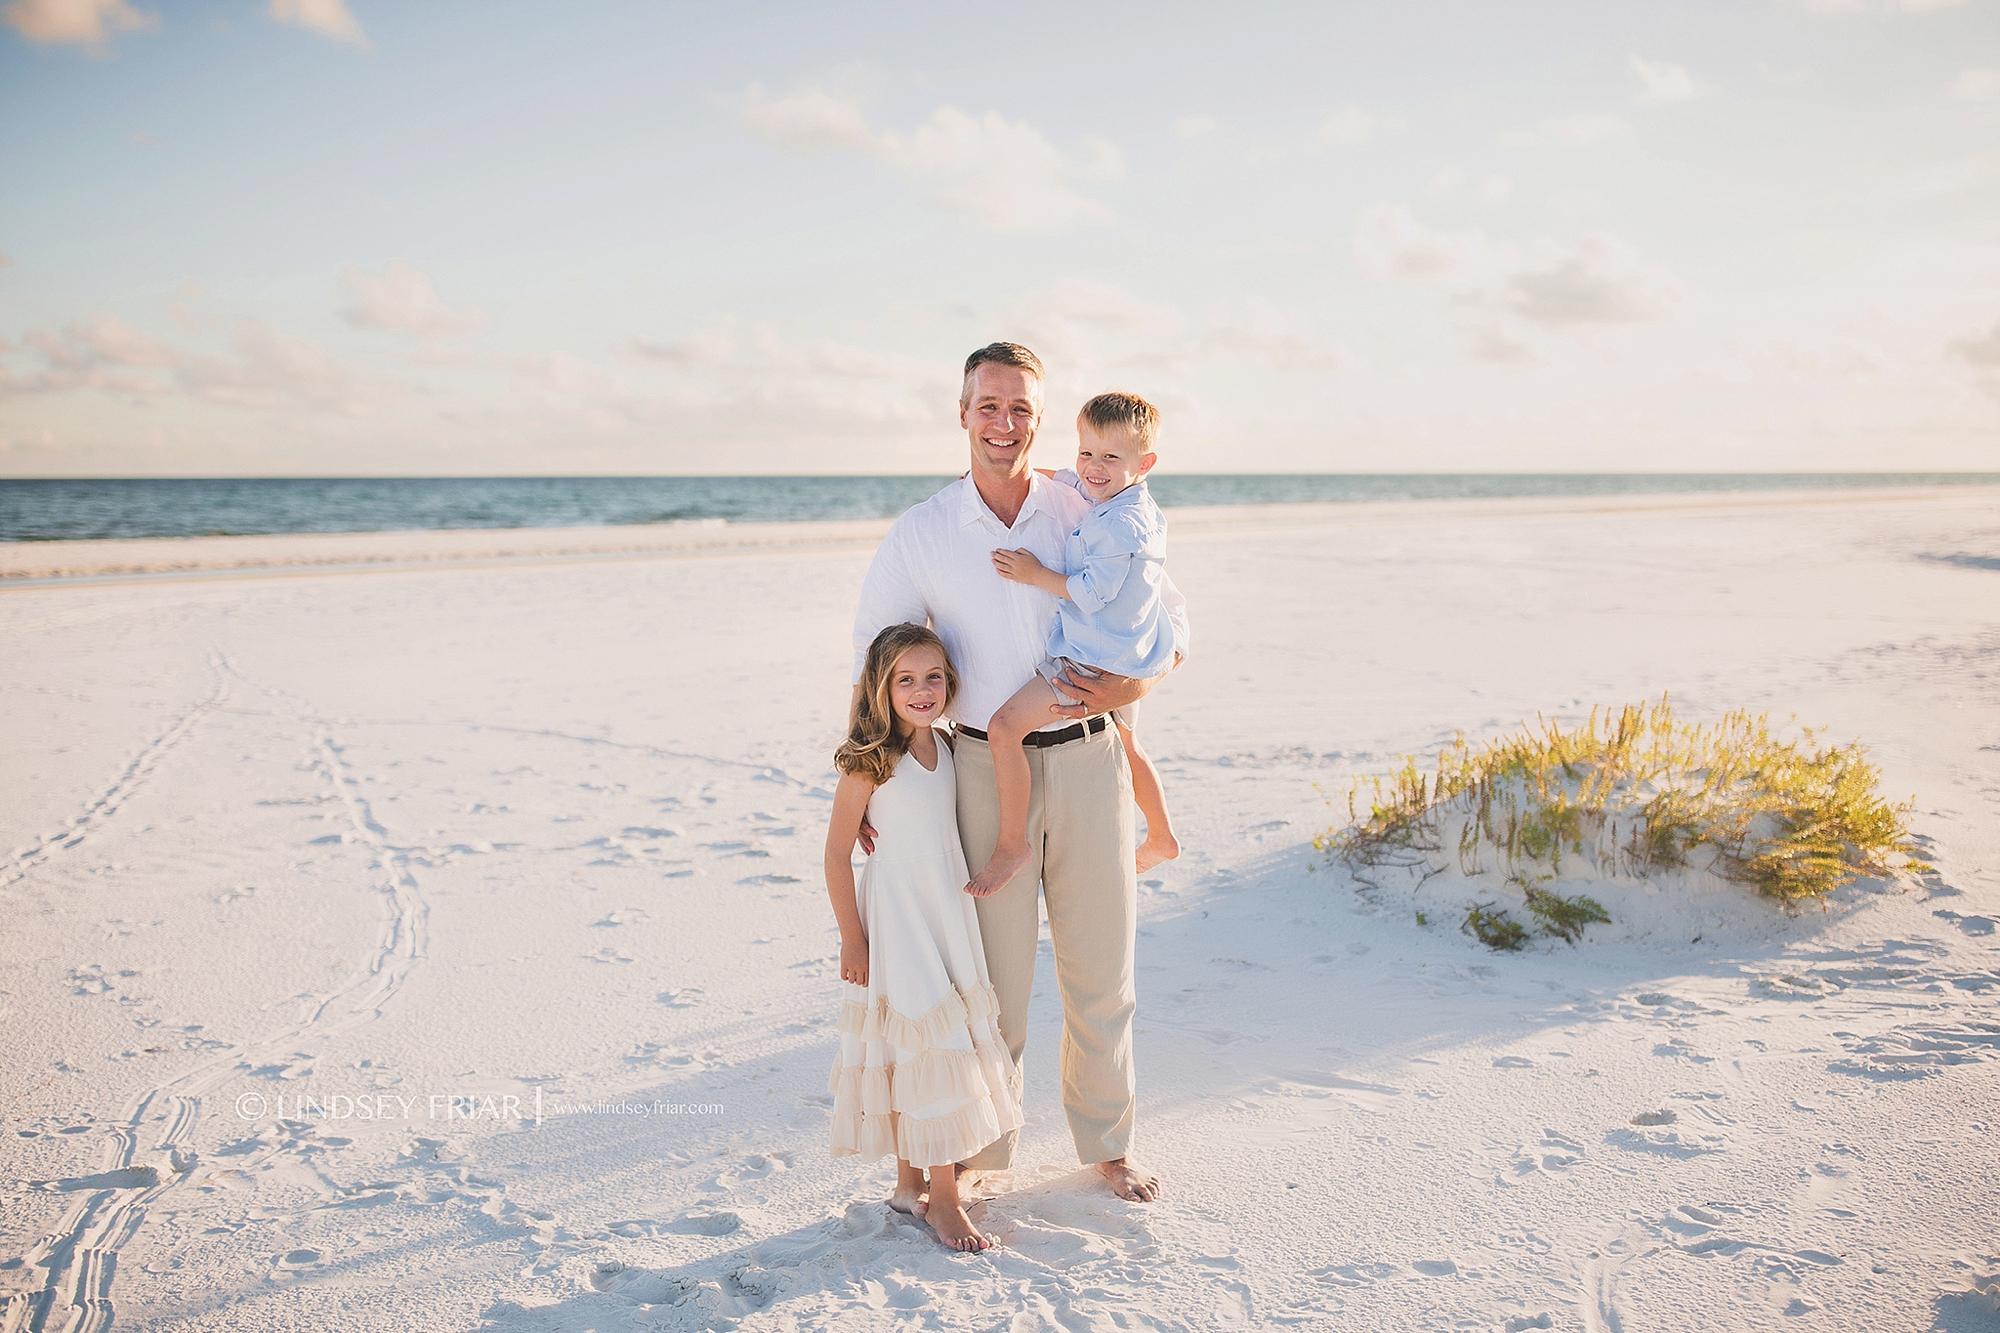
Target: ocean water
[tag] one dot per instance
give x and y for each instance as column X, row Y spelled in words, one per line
column 58, row 510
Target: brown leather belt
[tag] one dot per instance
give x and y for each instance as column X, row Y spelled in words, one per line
column 1042, row 740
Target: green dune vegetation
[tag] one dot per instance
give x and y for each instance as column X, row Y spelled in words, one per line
column 1631, row 794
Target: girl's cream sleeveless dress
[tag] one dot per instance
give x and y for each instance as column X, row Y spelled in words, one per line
column 922, row 1072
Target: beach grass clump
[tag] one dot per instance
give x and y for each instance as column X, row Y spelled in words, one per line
column 1563, row 917
column 1633, row 793
column 1554, row 915
column 1492, row 927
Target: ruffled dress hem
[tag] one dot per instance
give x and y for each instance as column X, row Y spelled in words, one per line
column 890, row 1107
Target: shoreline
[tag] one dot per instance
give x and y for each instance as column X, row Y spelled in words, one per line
column 136, row 559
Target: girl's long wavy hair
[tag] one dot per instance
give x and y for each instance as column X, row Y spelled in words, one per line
column 874, row 742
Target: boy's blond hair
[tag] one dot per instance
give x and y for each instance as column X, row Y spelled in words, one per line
column 1125, row 411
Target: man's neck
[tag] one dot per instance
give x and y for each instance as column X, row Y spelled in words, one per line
column 1003, row 495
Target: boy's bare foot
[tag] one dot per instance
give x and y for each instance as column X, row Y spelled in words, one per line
column 1156, row 848
column 1002, row 866
column 911, row 1199
column 955, row 1229
column 1128, row 1182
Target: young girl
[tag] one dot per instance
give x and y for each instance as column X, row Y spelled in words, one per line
column 921, row 1070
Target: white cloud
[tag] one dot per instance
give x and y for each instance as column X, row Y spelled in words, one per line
column 1494, row 346
column 275, row 370
column 810, row 121
column 1348, row 125
column 328, row 18
column 1594, row 280
column 1577, row 201
column 1589, row 127
column 1094, row 335
column 742, row 349
column 1002, row 173
column 1976, row 85
column 268, row 370
column 1666, row 83
column 1597, row 280
column 1980, row 351
column 1390, row 243
column 1452, row 183
column 83, row 23
column 403, row 300
column 1262, row 331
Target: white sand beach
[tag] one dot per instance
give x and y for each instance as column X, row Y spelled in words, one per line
column 425, row 931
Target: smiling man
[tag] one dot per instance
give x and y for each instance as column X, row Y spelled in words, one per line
column 936, row 567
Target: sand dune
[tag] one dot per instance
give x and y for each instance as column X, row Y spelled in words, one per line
column 310, row 876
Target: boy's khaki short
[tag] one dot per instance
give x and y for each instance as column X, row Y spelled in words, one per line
column 1052, row 667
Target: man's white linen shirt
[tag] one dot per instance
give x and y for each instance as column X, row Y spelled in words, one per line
column 936, row 567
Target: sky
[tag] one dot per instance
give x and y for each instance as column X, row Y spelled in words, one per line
column 354, row 238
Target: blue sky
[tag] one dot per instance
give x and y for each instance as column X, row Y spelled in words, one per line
column 310, row 237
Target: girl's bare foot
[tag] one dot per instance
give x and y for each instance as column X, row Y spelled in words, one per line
column 1002, row 866
column 947, row 1213
column 955, row 1229
column 912, row 1194
column 1156, row 848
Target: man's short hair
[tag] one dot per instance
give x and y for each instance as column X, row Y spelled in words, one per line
column 999, row 354
column 1123, row 411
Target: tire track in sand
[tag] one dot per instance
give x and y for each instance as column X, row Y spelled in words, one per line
column 80, row 1256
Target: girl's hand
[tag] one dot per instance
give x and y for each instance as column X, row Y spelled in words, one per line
column 854, row 962
column 1019, row 566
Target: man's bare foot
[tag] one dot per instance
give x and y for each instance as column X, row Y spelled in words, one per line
column 1128, row 1182
column 1156, row 848
column 914, row 1200
column 1002, row 866
column 970, row 1178
column 955, row 1229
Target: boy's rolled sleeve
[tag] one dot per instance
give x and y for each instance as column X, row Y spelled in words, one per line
column 1109, row 553
column 1093, row 586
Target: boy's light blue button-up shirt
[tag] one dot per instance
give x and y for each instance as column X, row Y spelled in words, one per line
column 1116, row 559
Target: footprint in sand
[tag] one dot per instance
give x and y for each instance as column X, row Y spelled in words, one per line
column 1662, row 1142
column 1555, row 1152
column 1918, row 1050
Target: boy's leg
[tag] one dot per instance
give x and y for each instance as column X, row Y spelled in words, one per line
column 1147, row 789
column 1027, row 710
column 1010, row 923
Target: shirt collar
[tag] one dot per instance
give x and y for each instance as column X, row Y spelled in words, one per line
column 1131, row 495
column 972, row 508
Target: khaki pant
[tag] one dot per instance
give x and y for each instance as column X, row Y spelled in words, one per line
column 1080, row 838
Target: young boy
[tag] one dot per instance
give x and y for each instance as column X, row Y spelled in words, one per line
column 1110, row 619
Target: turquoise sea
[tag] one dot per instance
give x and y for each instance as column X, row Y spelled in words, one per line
column 57, row 510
